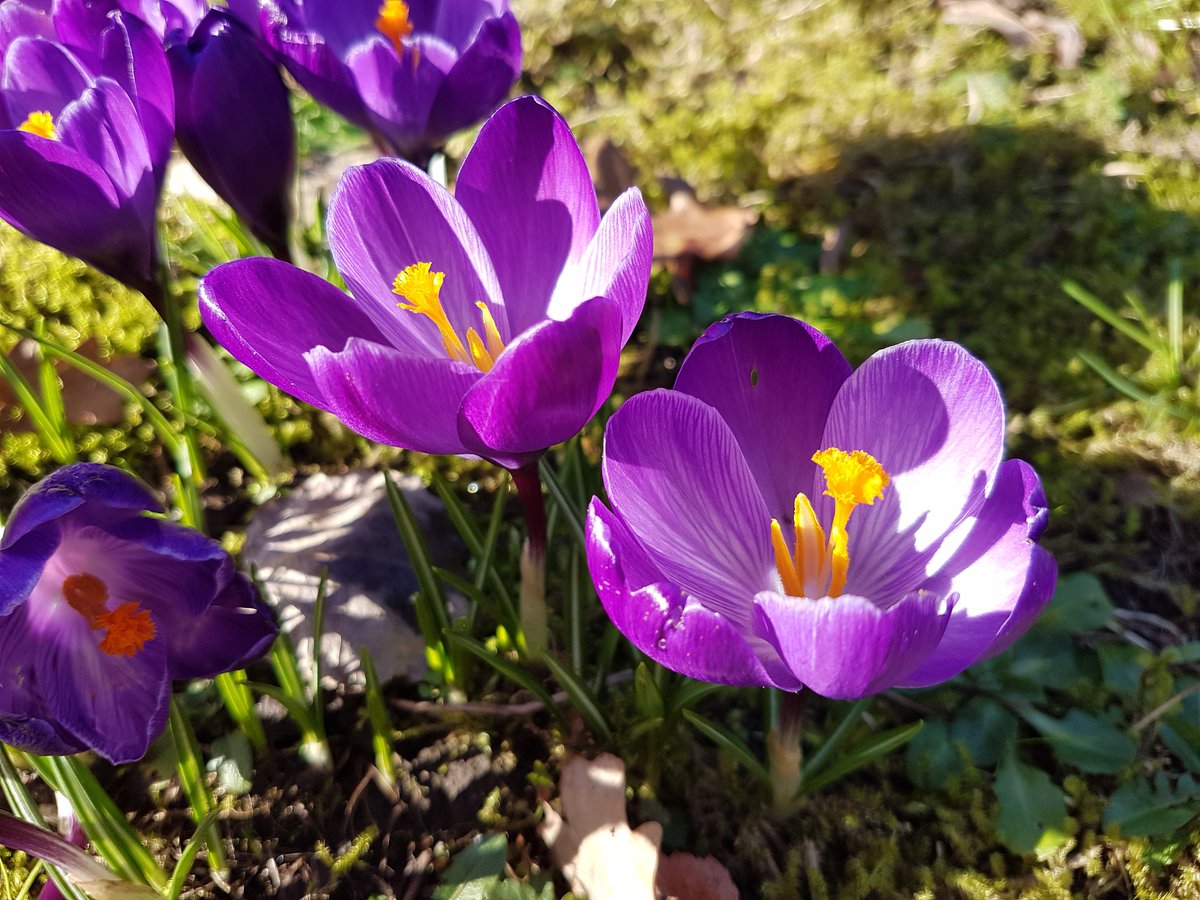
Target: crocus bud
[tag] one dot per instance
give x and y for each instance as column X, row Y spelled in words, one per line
column 233, row 122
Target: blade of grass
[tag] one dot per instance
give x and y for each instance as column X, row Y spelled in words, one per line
column 731, row 742
column 577, row 690
column 188, row 857
column 464, row 524
column 1127, row 387
column 570, row 515
column 1101, row 311
column 62, row 452
column 190, row 766
column 240, row 704
column 814, row 764
column 877, row 746
column 509, row 670
column 381, row 721
column 21, row 802
column 1175, row 319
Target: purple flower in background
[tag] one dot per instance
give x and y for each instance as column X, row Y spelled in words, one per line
column 233, row 122
column 102, row 606
column 488, row 323
column 778, row 519
column 86, row 127
column 411, row 74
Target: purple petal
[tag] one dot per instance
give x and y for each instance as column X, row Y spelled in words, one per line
column 660, row 619
column 847, row 647
column 992, row 571
column 19, row 20
column 932, row 416
column 235, row 629
column 457, row 22
column 615, row 265
column 1039, row 590
column 388, row 215
column 40, row 76
column 235, row 124
column 103, row 125
column 91, row 492
column 342, row 24
column 773, row 380
column 397, row 91
column 677, row 478
column 318, row 70
column 393, row 397
column 116, row 705
column 480, row 78
column 268, row 314
column 25, row 721
column 545, row 386
column 526, row 187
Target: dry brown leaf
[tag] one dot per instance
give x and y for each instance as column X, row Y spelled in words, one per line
column 688, row 228
column 688, row 877
column 86, row 400
column 612, row 172
column 591, row 842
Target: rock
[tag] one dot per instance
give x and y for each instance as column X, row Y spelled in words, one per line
column 343, row 523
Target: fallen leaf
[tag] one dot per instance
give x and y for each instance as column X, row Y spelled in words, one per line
column 612, row 172
column 688, row 877
column 86, row 400
column 591, row 842
column 688, row 228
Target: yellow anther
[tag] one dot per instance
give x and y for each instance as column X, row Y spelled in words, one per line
column 819, row 568
column 128, row 628
column 393, row 22
column 41, row 124
column 422, row 289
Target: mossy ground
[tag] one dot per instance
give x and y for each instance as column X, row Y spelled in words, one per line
column 911, row 177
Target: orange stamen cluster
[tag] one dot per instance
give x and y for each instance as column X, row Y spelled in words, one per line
column 41, row 124
column 127, row 628
column 393, row 22
column 813, row 567
column 421, row 288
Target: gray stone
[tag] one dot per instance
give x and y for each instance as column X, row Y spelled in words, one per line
column 343, row 523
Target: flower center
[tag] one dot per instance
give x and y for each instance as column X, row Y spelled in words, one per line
column 422, row 289
column 126, row 629
column 41, row 124
column 393, row 22
column 816, row 568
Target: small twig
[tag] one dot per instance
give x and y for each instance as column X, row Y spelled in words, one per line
column 1163, row 708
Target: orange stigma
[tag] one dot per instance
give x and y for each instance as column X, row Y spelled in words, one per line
column 86, row 594
column 393, row 22
column 41, row 124
column 421, row 288
column 813, row 567
column 127, row 628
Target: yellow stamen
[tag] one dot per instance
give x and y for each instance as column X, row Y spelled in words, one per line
column 86, row 594
column 818, row 568
column 393, row 22
column 41, row 124
column 128, row 628
column 422, row 289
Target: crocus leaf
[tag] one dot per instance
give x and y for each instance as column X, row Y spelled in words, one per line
column 581, row 696
column 1141, row 808
column 646, row 693
column 1084, row 741
column 509, row 670
column 1032, row 809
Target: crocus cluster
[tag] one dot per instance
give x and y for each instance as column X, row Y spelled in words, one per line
column 778, row 519
column 86, row 127
column 410, row 74
column 101, row 606
column 488, row 322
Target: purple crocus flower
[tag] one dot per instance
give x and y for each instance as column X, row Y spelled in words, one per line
column 102, row 606
column 86, row 127
column 778, row 519
column 233, row 121
column 487, row 323
column 411, row 74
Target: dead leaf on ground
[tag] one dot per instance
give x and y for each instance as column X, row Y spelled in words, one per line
column 600, row 855
column 86, row 400
column 612, row 172
column 1025, row 30
column 688, row 228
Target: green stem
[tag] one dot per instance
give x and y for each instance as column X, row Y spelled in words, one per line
column 785, row 751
